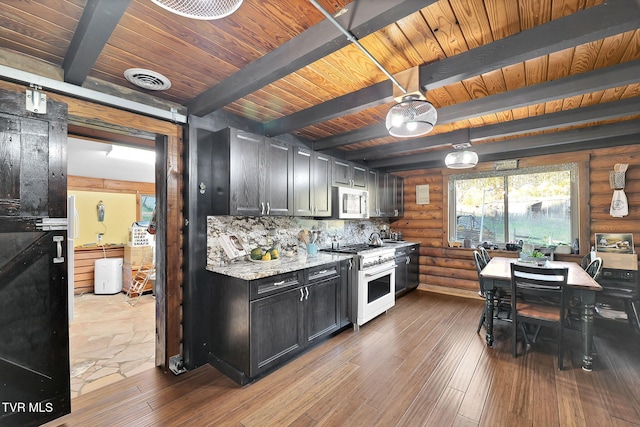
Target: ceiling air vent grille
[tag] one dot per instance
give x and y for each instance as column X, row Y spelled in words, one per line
column 200, row 9
column 147, row 79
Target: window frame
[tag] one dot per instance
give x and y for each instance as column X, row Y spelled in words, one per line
column 576, row 168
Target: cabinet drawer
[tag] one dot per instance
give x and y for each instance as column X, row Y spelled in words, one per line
column 322, row 272
column 274, row 284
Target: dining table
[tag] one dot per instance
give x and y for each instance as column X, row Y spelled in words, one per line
column 581, row 287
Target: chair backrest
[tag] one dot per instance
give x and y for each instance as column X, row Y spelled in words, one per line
column 594, row 268
column 480, row 262
column 586, row 260
column 538, row 282
column 485, row 254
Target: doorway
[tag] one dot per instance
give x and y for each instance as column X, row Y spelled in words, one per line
column 111, row 329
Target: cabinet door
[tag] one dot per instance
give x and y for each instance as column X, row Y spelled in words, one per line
column 360, row 177
column 395, row 193
column 321, row 168
column 277, row 329
column 346, row 282
column 401, row 270
column 321, row 308
column 303, row 188
column 246, row 182
column 341, row 173
column 384, row 201
column 374, row 205
column 413, row 272
column 278, row 175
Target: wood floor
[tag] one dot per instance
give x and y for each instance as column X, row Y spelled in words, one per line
column 422, row 363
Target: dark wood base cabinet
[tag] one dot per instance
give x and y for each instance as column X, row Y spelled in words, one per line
column 407, row 269
column 256, row 326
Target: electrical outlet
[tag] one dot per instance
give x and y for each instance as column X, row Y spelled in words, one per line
column 99, row 237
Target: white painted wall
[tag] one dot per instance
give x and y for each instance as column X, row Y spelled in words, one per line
column 89, row 158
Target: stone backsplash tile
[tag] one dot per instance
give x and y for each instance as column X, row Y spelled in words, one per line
column 257, row 232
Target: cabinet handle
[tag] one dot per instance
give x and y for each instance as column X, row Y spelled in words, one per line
column 408, row 261
column 301, row 294
column 262, row 210
column 279, row 283
column 268, row 208
column 350, row 264
column 306, row 288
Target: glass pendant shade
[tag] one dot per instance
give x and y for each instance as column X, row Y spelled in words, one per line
column 411, row 118
column 200, row 9
column 462, row 159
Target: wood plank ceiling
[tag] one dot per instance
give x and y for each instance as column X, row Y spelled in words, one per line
column 514, row 77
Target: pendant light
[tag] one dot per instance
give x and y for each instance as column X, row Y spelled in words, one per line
column 413, row 115
column 200, row 9
column 461, row 158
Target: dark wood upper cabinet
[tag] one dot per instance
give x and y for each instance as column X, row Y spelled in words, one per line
column 386, row 194
column 253, row 175
column 311, row 183
column 348, row 174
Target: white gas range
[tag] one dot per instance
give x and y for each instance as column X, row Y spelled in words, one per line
column 375, row 290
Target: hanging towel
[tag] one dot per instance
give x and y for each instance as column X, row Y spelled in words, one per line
column 619, row 206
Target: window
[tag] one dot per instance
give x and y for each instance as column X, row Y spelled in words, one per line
column 536, row 205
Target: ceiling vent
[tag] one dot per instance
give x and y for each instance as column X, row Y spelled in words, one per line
column 147, row 79
column 200, row 9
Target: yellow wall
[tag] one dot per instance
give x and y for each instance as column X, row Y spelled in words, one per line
column 120, row 213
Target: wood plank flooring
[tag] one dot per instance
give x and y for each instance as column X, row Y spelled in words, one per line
column 421, row 363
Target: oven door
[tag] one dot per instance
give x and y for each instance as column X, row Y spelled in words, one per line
column 376, row 291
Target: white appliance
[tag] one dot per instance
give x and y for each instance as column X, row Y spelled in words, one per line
column 376, row 283
column 73, row 227
column 349, row 203
column 375, row 288
column 108, row 276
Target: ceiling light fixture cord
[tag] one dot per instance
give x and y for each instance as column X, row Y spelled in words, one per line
column 355, row 41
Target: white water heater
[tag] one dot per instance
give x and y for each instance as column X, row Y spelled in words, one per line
column 107, row 276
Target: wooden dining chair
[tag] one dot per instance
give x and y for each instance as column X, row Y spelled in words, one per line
column 501, row 302
column 537, row 297
column 485, row 254
column 480, row 264
column 594, row 268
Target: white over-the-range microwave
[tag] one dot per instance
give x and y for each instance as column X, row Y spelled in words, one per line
column 350, row 203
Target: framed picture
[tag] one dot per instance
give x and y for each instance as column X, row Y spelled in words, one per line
column 232, row 246
column 620, row 243
column 147, row 204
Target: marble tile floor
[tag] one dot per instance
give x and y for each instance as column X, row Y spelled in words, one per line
column 109, row 340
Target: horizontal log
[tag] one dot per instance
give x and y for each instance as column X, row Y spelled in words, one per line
column 434, row 180
column 421, row 224
column 603, row 187
column 629, row 155
column 82, row 183
column 449, row 282
column 604, row 200
column 617, row 225
column 602, row 175
column 422, row 214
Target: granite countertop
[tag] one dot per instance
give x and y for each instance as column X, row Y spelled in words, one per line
column 247, row 270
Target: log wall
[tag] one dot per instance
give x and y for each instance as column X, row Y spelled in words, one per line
column 452, row 270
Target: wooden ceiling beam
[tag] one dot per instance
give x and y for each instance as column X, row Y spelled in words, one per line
column 369, row 97
column 604, row 78
column 581, row 27
column 317, row 42
column 506, row 149
column 584, row 26
column 573, row 117
column 99, row 19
